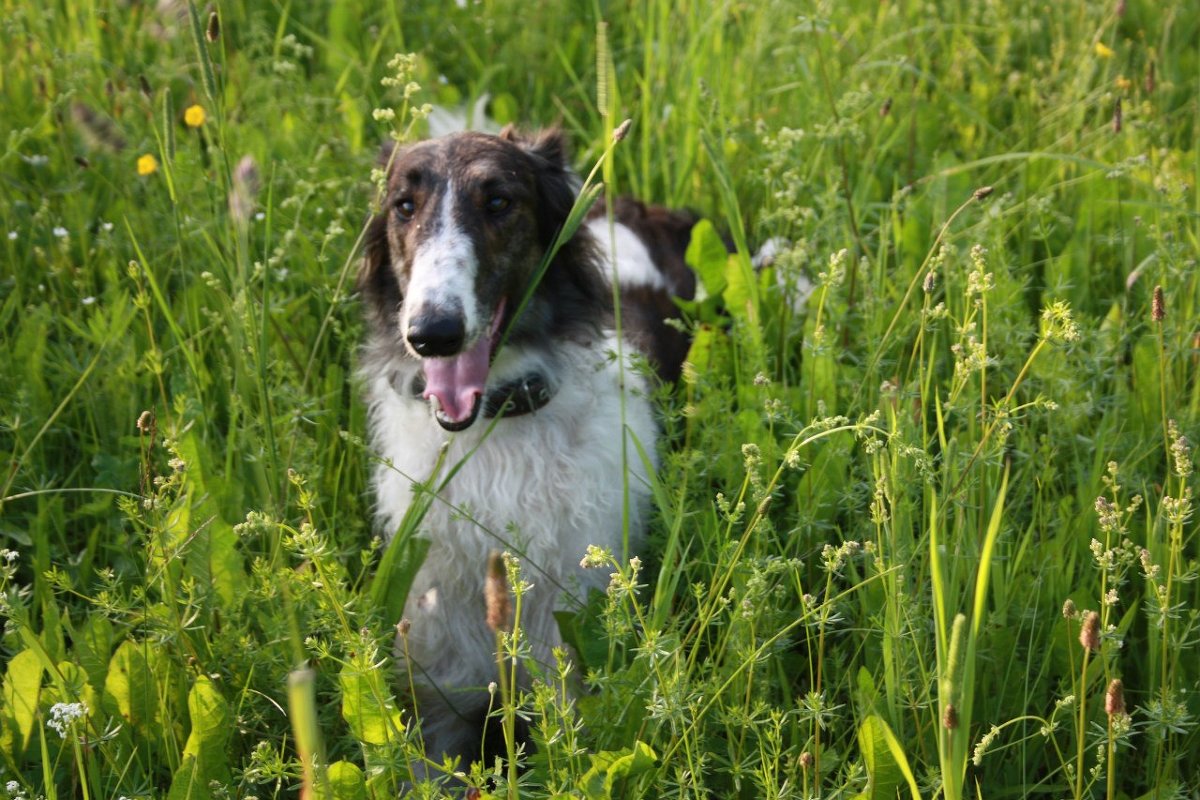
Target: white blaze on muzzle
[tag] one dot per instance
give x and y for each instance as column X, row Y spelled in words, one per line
column 441, row 281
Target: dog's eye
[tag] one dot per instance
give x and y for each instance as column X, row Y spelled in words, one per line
column 405, row 208
column 496, row 204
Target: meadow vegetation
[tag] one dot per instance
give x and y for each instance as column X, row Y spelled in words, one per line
column 928, row 532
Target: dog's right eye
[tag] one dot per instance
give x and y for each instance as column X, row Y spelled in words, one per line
column 405, row 208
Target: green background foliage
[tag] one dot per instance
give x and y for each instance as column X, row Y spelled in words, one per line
column 875, row 499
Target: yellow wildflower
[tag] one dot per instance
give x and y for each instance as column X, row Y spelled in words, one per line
column 147, row 165
column 1124, row 84
column 194, row 116
column 1103, row 50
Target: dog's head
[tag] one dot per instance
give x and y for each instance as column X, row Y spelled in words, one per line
column 466, row 222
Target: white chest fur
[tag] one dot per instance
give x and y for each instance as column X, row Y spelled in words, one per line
column 542, row 486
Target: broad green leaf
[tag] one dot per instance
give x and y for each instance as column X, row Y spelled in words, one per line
column 346, row 781
column 887, row 766
column 707, row 256
column 368, row 706
column 22, row 686
column 739, row 289
column 130, row 687
column 210, row 730
column 609, row 766
column 189, row 782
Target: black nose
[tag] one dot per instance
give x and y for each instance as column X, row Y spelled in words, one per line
column 436, row 334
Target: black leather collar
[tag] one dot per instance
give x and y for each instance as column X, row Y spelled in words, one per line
column 523, row 395
column 514, row 398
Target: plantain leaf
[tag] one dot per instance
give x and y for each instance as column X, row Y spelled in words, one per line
column 129, row 686
column 346, row 781
column 707, row 256
column 210, row 729
column 368, row 706
column 189, row 782
column 22, row 687
column 609, row 766
column 887, row 766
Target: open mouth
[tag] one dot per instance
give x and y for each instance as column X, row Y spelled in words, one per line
column 455, row 385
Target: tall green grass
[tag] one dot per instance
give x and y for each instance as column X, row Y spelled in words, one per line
column 908, row 534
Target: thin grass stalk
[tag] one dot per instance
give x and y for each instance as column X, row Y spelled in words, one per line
column 1081, row 726
column 302, row 708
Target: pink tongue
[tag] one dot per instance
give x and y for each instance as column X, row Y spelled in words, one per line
column 456, row 382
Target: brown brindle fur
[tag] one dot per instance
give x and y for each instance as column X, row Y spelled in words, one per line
column 533, row 176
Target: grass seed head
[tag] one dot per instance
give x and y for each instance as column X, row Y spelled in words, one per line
column 495, row 593
column 950, row 717
column 1068, row 609
column 1158, row 306
column 1117, row 118
column 1114, row 698
column 213, row 31
column 1089, row 633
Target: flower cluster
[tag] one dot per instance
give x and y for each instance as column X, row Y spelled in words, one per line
column 64, row 715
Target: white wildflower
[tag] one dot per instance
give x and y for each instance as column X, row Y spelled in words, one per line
column 64, row 715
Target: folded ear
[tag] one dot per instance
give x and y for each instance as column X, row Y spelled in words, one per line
column 549, row 145
column 557, row 185
column 376, row 279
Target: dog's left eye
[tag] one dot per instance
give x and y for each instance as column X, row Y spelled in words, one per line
column 496, row 204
